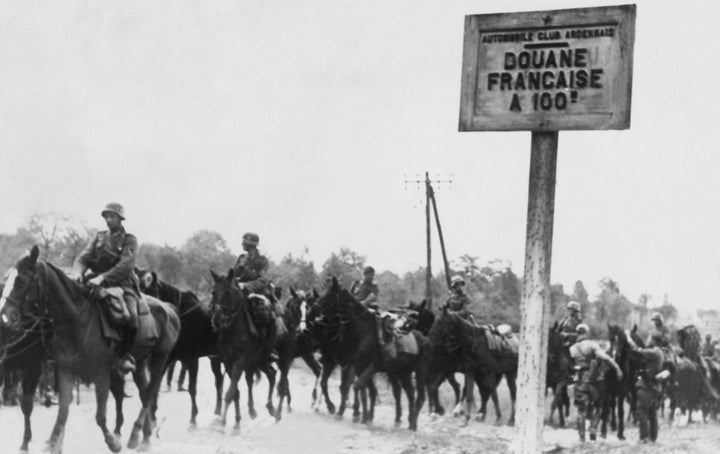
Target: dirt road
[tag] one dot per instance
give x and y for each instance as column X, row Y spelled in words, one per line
column 305, row 431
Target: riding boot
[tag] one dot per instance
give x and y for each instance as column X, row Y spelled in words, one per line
column 126, row 362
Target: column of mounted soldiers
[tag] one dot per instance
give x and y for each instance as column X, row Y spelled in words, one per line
column 108, row 261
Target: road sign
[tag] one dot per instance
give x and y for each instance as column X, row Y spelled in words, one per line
column 548, row 70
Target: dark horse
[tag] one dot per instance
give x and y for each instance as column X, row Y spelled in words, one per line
column 617, row 391
column 197, row 338
column 473, row 357
column 240, row 351
column 691, row 388
column 361, row 337
column 559, row 364
column 22, row 350
column 292, row 342
column 41, row 291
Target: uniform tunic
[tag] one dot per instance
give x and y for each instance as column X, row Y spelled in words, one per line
column 659, row 337
column 366, row 292
column 567, row 327
column 112, row 255
column 250, row 269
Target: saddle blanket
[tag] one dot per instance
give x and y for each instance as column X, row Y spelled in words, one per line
column 118, row 315
column 400, row 343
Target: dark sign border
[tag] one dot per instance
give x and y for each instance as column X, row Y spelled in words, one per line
column 622, row 15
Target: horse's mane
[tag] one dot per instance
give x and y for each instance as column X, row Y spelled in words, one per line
column 71, row 287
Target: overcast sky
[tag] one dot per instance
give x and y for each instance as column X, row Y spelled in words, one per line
column 300, row 120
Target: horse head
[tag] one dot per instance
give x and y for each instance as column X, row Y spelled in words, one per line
column 21, row 282
column 148, row 282
column 690, row 341
column 297, row 308
column 226, row 300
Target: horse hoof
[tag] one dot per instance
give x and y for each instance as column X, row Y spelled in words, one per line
column 133, row 442
column 253, row 414
column 144, row 446
column 192, row 427
column 278, row 416
column 397, row 424
column 289, row 409
column 236, row 430
column 620, row 437
column 270, row 409
column 511, row 423
column 113, row 443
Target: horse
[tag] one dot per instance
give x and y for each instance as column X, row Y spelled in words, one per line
column 691, row 388
column 454, row 336
column 239, row 349
column 326, row 329
column 361, row 336
column 617, row 391
column 41, row 291
column 197, row 338
column 294, row 342
column 421, row 319
column 559, row 364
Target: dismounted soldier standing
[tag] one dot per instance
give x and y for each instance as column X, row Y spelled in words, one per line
column 586, row 354
column 569, row 324
column 110, row 257
column 649, row 386
column 367, row 291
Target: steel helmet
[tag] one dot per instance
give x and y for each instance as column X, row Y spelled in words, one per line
column 368, row 270
column 457, row 280
column 582, row 328
column 574, row 305
column 251, row 238
column 116, row 208
column 657, row 316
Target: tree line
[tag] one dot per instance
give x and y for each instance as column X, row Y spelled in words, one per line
column 494, row 288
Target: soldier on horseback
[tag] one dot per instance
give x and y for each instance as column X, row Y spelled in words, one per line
column 459, row 301
column 569, row 324
column 366, row 291
column 659, row 335
column 587, row 354
column 249, row 271
column 110, row 257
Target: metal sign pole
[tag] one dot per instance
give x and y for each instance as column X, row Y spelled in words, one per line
column 536, row 293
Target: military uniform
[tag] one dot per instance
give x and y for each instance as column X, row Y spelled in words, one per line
column 366, row 293
column 649, row 393
column 659, row 337
column 567, row 328
column 112, row 255
column 586, row 355
column 250, row 270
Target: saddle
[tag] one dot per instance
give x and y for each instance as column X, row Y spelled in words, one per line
column 501, row 341
column 396, row 337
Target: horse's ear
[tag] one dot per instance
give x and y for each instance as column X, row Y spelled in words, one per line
column 231, row 274
column 155, row 278
column 555, row 326
column 335, row 283
column 423, row 304
column 278, row 292
column 34, row 254
column 215, row 277
column 634, row 329
column 316, row 295
column 293, row 293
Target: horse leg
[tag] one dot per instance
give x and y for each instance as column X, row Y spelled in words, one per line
column 283, row 385
column 455, row 386
column 30, row 379
column 102, row 385
column 169, row 375
column 326, row 371
column 216, row 366
column 232, row 392
column 271, row 374
column 142, row 386
column 361, row 385
column 345, row 376
column 434, row 395
column 156, row 367
column 65, row 388
column 372, row 391
column 469, row 398
column 192, row 372
column 406, row 382
column 395, row 384
column 251, row 399
column 620, row 402
column 512, row 386
column 484, row 396
column 117, row 388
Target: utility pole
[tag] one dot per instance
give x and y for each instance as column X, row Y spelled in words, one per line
column 430, row 195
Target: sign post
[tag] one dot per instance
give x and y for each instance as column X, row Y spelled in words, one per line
column 544, row 71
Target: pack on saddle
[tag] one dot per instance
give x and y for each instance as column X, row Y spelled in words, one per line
column 394, row 334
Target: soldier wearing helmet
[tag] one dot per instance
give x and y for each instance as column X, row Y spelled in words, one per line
column 659, row 335
column 251, row 266
column 586, row 355
column 366, row 291
column 459, row 300
column 569, row 324
column 110, row 257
